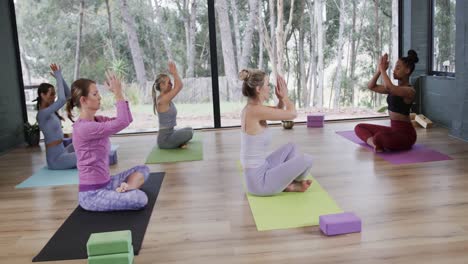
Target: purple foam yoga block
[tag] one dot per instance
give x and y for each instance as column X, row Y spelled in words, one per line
column 315, row 117
column 336, row 224
column 113, row 157
column 315, row 120
column 315, row 124
column 67, row 141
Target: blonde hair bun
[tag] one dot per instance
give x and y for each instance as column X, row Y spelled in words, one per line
column 244, row 74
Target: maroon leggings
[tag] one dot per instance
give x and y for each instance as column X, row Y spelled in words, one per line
column 400, row 136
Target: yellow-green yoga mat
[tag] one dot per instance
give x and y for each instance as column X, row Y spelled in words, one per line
column 292, row 209
column 194, row 151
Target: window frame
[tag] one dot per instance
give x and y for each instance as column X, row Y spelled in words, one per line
column 430, row 54
column 217, row 120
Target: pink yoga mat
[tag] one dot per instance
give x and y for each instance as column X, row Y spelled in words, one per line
column 418, row 153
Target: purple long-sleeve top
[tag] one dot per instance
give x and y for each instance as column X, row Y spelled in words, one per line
column 92, row 145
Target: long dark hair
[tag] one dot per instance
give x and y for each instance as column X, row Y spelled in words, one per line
column 44, row 89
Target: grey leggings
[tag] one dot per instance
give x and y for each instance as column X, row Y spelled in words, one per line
column 170, row 138
column 60, row 157
column 281, row 167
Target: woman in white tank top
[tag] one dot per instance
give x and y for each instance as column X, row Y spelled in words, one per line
column 284, row 169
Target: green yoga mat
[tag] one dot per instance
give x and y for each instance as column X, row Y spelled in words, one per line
column 194, row 151
column 292, row 209
column 45, row 177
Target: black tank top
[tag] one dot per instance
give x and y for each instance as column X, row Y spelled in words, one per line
column 397, row 104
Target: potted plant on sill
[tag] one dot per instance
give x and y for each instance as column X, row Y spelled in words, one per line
column 31, row 133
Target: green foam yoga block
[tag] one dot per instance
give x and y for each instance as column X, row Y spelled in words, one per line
column 110, row 243
column 121, row 258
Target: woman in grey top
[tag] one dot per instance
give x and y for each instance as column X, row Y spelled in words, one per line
column 50, row 122
column 168, row 137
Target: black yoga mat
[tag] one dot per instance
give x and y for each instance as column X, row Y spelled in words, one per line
column 69, row 242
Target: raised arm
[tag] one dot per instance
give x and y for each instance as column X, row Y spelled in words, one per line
column 287, row 110
column 279, row 96
column 274, row 114
column 403, row 91
column 61, row 99
column 372, row 85
column 280, row 104
column 166, row 98
column 108, row 126
column 66, row 89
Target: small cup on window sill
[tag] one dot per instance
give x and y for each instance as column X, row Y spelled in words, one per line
column 288, row 124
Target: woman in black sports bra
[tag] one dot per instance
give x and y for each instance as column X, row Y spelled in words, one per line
column 401, row 134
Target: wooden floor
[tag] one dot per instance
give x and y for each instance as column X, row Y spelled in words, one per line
column 411, row 213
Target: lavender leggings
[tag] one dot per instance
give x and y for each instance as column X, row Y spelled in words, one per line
column 108, row 199
column 281, row 167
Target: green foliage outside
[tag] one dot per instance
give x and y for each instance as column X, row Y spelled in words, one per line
column 48, row 33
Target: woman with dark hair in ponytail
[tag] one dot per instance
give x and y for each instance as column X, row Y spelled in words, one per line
column 58, row 156
column 401, row 134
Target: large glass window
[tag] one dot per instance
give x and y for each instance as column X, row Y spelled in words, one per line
column 327, row 51
column 132, row 37
column 443, row 38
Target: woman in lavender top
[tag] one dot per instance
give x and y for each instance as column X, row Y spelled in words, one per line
column 98, row 191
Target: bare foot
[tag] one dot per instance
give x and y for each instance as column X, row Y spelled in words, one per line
column 378, row 150
column 123, row 187
column 301, row 186
column 184, row 146
column 370, row 142
column 306, row 184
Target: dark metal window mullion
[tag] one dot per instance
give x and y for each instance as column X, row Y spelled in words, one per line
column 214, row 63
column 430, row 34
column 19, row 70
column 400, row 28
